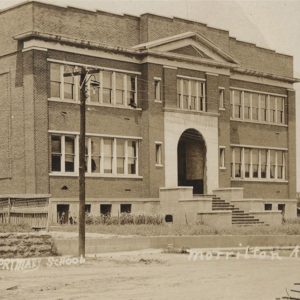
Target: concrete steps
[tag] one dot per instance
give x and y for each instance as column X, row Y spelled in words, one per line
column 239, row 217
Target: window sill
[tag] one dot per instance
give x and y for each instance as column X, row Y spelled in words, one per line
column 222, row 108
column 157, row 101
column 188, row 111
column 259, row 180
column 94, row 104
column 159, row 166
column 96, row 175
column 222, row 168
column 258, row 122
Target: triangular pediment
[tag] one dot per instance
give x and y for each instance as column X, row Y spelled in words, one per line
column 189, row 45
column 190, row 51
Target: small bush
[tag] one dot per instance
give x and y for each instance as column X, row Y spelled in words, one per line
column 124, row 219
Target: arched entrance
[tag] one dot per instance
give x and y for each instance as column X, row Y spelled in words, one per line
column 191, row 155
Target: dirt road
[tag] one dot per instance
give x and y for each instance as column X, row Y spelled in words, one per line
column 148, row 275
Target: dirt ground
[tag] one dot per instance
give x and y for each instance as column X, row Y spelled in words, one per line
column 150, row 274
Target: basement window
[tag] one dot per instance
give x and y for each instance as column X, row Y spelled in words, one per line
column 125, row 208
column 268, row 206
column 105, row 209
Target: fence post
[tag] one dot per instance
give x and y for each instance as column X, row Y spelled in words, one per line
column 9, row 207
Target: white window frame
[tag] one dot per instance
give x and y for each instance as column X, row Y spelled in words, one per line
column 157, row 89
column 89, row 172
column 222, row 150
column 259, row 178
column 200, row 100
column 221, row 98
column 268, row 106
column 88, row 102
column 159, row 158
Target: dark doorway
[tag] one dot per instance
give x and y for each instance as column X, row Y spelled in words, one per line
column 191, row 153
column 63, row 213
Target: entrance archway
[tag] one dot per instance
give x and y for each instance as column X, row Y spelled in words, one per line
column 191, row 156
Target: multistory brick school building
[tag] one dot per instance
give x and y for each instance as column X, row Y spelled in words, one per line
column 186, row 119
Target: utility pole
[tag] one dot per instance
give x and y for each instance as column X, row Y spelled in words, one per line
column 85, row 76
column 83, row 96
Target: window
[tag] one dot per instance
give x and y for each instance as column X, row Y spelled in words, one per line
column 247, row 162
column 280, row 110
column 272, row 164
column 268, row 206
column 221, row 98
column 247, row 106
column 120, row 156
column 108, row 155
column 107, row 87
column 55, row 80
column 105, row 210
column 104, row 155
column 125, row 208
column 237, row 104
column 87, row 208
column 272, row 105
column 116, row 88
column 263, row 108
column 281, row 207
column 222, row 157
column 255, row 162
column 157, row 89
column 263, row 164
column 257, row 107
column 191, row 94
column 258, row 164
column 62, row 153
column 158, row 153
column 132, row 157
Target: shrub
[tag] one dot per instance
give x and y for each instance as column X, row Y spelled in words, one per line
column 124, row 219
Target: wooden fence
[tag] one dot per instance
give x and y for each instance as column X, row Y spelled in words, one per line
column 31, row 210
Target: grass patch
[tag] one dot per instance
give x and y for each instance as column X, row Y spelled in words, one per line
column 289, row 228
column 14, row 228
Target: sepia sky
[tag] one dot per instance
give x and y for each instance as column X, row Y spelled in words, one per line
column 272, row 24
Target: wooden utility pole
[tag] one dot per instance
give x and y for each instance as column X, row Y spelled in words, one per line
column 83, row 96
column 85, row 76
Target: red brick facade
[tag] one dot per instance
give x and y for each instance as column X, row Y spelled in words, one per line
column 25, row 82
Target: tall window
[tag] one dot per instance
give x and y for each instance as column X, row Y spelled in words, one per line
column 132, row 157
column 120, row 156
column 107, row 87
column 258, row 164
column 272, row 104
column 116, row 88
column 264, row 161
column 237, row 105
column 62, row 153
column 255, row 162
column 108, row 155
column 247, row 106
column 158, row 153
column 191, row 94
column 157, row 89
column 257, row 107
column 55, row 80
column 247, row 162
column 222, row 157
column 221, row 98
